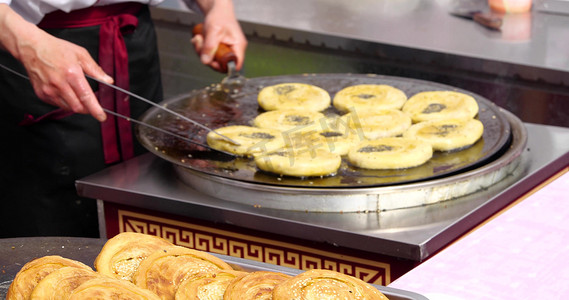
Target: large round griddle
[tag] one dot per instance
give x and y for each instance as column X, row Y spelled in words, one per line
column 215, row 108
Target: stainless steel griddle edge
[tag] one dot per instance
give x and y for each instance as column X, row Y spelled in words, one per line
column 416, row 233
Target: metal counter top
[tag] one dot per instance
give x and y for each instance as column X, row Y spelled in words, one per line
column 536, row 40
column 414, row 233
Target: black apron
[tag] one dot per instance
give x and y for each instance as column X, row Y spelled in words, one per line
column 40, row 161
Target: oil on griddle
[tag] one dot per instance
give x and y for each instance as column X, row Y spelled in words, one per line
column 215, row 108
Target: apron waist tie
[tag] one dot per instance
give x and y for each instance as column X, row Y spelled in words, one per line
column 115, row 20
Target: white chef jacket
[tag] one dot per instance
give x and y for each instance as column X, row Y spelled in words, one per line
column 34, row 10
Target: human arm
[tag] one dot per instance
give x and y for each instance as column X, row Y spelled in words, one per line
column 56, row 67
column 220, row 26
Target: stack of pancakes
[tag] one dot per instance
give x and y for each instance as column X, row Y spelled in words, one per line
column 139, row 266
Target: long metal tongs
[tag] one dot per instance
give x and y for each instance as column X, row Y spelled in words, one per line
column 146, row 124
column 162, row 108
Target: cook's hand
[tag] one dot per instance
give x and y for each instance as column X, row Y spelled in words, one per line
column 56, row 67
column 220, row 26
column 57, row 71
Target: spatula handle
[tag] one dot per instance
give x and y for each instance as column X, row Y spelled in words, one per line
column 223, row 55
column 488, row 21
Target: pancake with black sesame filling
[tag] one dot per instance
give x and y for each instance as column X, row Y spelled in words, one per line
column 375, row 124
column 294, row 96
column 339, row 141
column 447, row 135
column 390, row 153
column 437, row 105
column 252, row 140
column 290, row 120
column 300, row 162
column 369, row 96
column 337, row 136
column 335, row 141
column 333, row 136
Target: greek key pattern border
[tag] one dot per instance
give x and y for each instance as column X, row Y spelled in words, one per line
column 253, row 248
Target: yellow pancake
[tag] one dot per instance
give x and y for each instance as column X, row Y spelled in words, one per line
column 448, row 134
column 335, row 141
column 302, row 162
column 294, row 96
column 390, row 153
column 369, row 96
column 252, row 140
column 436, row 105
column 375, row 124
column 290, row 120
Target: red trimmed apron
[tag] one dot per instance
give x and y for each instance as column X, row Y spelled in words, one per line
column 114, row 21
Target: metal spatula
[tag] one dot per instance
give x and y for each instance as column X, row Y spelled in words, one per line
column 227, row 60
column 485, row 19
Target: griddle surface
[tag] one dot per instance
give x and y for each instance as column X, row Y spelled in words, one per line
column 215, row 109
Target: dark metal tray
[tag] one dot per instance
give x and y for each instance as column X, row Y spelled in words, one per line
column 16, row 252
column 215, row 109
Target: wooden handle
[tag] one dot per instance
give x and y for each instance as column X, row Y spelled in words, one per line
column 488, row 21
column 223, row 54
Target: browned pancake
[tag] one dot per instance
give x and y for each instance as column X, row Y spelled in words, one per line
column 325, row 284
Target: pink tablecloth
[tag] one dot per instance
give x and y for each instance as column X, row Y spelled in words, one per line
column 521, row 254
